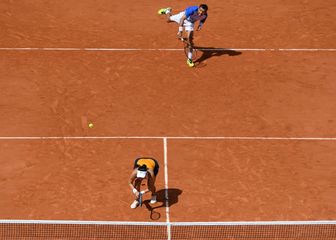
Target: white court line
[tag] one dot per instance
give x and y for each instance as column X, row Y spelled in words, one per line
column 237, row 223
column 165, row 151
column 131, row 223
column 177, row 49
column 166, row 137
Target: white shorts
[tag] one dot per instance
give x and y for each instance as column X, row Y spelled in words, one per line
column 188, row 26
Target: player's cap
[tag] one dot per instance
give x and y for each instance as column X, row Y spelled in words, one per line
column 142, row 171
column 141, row 174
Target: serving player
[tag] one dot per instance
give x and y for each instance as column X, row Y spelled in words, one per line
column 186, row 20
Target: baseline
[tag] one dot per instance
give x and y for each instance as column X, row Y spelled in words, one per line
column 177, row 49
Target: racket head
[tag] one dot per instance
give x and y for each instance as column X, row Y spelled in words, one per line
column 187, row 49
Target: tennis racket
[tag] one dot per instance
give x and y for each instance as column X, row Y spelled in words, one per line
column 187, row 48
column 140, row 199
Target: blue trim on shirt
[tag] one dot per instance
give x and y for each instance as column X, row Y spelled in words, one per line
column 191, row 10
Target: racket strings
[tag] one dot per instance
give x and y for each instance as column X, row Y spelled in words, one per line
column 190, row 52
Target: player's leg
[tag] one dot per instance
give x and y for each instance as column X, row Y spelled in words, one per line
column 175, row 18
column 190, row 40
column 151, row 183
column 137, row 181
column 166, row 11
column 137, row 184
column 152, row 188
column 189, row 28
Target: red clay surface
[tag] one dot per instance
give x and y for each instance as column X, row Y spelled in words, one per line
column 253, row 94
column 79, row 180
column 253, row 180
column 153, row 93
column 133, row 23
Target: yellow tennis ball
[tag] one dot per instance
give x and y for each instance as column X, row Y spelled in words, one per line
column 90, row 125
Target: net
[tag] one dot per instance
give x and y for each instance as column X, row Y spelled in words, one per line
column 255, row 230
column 29, row 230
column 90, row 230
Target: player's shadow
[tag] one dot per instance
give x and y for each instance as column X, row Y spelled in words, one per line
column 162, row 201
column 173, row 194
column 208, row 52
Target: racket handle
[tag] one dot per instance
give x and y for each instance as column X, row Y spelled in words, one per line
column 140, row 199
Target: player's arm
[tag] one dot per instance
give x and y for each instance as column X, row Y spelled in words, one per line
column 151, row 180
column 179, row 33
column 131, row 180
column 201, row 23
column 152, row 175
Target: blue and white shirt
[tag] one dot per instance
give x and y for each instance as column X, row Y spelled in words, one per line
column 192, row 15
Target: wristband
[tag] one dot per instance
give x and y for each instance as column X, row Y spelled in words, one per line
column 180, row 29
column 134, row 191
column 142, row 192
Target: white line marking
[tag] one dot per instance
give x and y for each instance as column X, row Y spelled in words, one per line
column 314, row 222
column 165, row 151
column 70, row 222
column 250, row 223
column 177, row 49
column 174, row 138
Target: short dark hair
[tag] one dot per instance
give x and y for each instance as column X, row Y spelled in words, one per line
column 143, row 168
column 204, row 7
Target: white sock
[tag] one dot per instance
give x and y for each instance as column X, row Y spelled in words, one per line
column 190, row 55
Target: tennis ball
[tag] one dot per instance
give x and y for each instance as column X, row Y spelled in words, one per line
column 90, row 125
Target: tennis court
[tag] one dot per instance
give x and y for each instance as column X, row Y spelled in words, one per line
column 246, row 140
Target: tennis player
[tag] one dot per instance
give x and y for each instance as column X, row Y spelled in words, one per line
column 186, row 20
column 144, row 168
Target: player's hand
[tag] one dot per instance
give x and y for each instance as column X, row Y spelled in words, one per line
column 136, row 193
column 198, row 28
column 179, row 34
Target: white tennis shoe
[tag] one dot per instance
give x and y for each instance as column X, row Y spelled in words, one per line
column 153, row 199
column 134, row 204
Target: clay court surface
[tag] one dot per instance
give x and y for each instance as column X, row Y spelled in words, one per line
column 235, row 97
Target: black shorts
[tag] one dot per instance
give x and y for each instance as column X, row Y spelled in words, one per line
column 156, row 167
